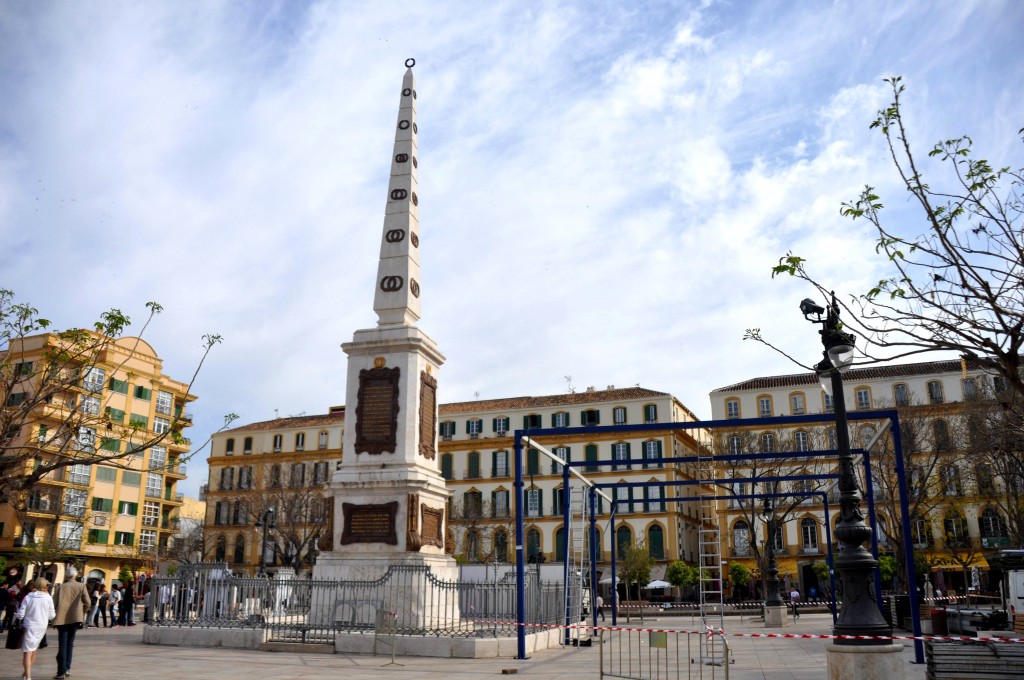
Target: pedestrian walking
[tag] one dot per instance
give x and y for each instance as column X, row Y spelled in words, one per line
column 35, row 613
column 71, row 602
column 127, row 617
column 794, row 599
column 94, row 605
column 13, row 597
column 103, row 602
column 113, row 603
column 600, row 606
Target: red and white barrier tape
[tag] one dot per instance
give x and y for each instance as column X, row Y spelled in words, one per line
column 785, row 636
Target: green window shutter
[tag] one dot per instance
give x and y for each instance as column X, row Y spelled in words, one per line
column 494, row 464
column 540, row 502
column 112, row 445
column 526, row 422
column 119, row 386
column 42, row 434
column 532, row 462
column 143, row 393
column 658, row 453
column 467, row 427
column 597, row 417
column 590, row 455
column 629, row 454
column 138, row 421
column 115, row 415
column 494, row 425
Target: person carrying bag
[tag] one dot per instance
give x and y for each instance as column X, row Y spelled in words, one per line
column 15, row 636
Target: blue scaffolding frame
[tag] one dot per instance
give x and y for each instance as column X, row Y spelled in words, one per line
column 812, row 419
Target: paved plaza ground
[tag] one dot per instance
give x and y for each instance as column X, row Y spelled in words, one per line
column 103, row 654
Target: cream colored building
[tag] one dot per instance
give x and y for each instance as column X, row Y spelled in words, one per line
column 931, row 398
column 475, row 454
column 101, row 514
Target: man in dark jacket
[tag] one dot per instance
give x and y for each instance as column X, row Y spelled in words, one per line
column 127, row 616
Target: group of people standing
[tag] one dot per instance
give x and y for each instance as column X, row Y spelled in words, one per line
column 72, row 606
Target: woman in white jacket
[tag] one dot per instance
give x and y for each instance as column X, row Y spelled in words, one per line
column 36, row 612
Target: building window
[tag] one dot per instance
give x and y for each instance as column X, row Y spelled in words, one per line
column 590, row 456
column 650, row 413
column 560, row 419
column 985, row 480
column 227, row 479
column 74, row 502
column 247, row 446
column 735, row 445
column 624, row 540
column 300, row 441
column 164, row 401
column 830, row 405
column 473, row 465
column 531, row 422
column 124, row 538
column 129, row 478
column 620, row 454
column 500, row 425
column 921, row 533
column 472, row 505
column 764, row 407
column 800, row 441
column 652, row 499
column 245, row 477
column 532, row 545
column 298, row 475
column 150, row 514
column 777, row 541
column 956, row 530
column 79, row 474
column 446, row 466
column 220, row 550
column 656, row 542
column 796, row 404
column 154, row 485
column 941, row 431
column 161, row 425
column 70, row 534
column 501, row 545
column 563, row 455
column 833, row 440
column 951, row 480
column 732, row 409
column 767, row 443
column 532, row 462
column 863, row 398
column 499, row 460
column 229, row 447
column 119, row 386
column 590, row 417
column 992, row 527
column 143, row 393
column 741, row 539
column 447, row 430
column 278, row 439
column 970, row 389
column 275, row 476
column 474, row 427
column 102, row 504
column 619, row 415
column 239, row 552
column 900, row 395
column 93, row 379
column 322, row 440
column 809, row 534
column 157, row 457
column 499, row 504
column 533, row 502
column 90, row 405
column 652, row 452
column 935, row 392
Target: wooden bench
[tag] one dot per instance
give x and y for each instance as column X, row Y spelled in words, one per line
column 975, row 660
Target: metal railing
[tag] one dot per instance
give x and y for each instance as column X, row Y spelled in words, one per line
column 303, row 610
column 641, row 654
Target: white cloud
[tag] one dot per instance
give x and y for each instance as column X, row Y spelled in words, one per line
column 604, row 189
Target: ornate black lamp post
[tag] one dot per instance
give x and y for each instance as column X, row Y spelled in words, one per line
column 266, row 522
column 858, row 614
column 773, row 598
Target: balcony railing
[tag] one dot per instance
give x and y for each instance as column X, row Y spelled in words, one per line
column 153, row 493
column 149, row 521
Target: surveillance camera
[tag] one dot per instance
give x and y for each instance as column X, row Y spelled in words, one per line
column 809, row 307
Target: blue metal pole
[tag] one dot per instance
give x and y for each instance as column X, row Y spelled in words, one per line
column 520, row 557
column 908, row 548
column 565, row 555
column 593, row 553
column 614, row 577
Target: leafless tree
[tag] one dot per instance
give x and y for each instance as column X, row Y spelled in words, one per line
column 959, row 284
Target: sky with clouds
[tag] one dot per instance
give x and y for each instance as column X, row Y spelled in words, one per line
column 604, row 186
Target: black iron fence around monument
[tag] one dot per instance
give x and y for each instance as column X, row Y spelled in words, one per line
column 406, row 600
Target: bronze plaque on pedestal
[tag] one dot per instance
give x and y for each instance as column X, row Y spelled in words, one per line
column 377, row 410
column 369, row 523
column 432, row 532
column 428, row 415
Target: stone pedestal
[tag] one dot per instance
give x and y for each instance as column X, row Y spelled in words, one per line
column 865, row 662
column 776, row 616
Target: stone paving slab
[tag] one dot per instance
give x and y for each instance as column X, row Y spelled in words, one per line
column 102, row 654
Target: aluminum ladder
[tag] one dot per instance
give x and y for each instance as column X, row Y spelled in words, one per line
column 577, row 565
column 709, row 540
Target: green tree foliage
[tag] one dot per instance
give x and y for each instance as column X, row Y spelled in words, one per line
column 681, row 575
column 740, row 575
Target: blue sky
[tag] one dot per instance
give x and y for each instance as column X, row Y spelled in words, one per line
column 604, row 187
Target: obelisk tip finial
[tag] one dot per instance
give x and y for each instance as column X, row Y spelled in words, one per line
column 410, row 62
